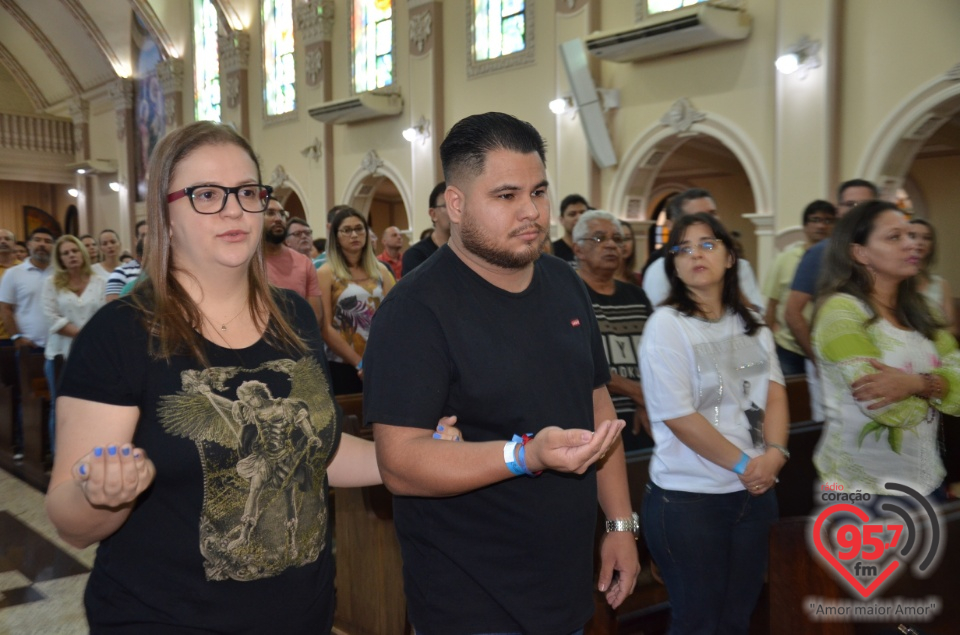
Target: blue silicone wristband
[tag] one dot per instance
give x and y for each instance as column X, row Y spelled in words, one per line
column 741, row 467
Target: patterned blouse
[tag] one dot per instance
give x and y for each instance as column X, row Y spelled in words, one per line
column 864, row 449
column 354, row 304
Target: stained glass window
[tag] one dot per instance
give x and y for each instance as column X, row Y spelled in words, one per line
column 661, row 6
column 279, row 93
column 499, row 28
column 206, row 84
column 372, row 33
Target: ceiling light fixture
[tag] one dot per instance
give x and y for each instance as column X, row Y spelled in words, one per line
column 419, row 130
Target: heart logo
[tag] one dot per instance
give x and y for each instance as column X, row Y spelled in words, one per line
column 829, row 557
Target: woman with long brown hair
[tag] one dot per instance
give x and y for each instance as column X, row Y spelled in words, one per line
column 888, row 365
column 198, row 432
column 352, row 285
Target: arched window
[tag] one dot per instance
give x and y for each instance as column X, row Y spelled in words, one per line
column 661, row 6
column 206, row 62
column 279, row 94
column 372, row 41
column 501, row 33
column 499, row 28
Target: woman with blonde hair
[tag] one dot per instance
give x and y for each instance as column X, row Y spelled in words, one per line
column 935, row 288
column 352, row 285
column 70, row 298
column 198, row 433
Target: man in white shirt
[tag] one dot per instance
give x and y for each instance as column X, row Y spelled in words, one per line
column 21, row 306
column 655, row 282
column 20, row 289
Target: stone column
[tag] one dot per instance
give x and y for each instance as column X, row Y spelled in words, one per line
column 121, row 93
column 313, row 24
column 234, row 74
column 425, row 99
column 170, row 73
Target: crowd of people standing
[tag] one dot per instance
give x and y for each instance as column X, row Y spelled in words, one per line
column 503, row 389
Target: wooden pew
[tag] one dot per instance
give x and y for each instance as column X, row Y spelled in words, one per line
column 8, row 405
column 35, row 404
column 370, row 599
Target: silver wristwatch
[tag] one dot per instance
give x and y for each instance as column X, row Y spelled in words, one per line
column 631, row 524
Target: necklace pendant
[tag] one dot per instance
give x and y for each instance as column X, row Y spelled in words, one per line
column 223, row 327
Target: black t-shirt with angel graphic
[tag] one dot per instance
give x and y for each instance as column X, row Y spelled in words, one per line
column 234, row 534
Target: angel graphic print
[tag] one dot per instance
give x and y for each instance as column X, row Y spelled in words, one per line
column 263, row 436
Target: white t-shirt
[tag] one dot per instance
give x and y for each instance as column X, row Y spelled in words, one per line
column 657, row 286
column 690, row 365
column 22, row 286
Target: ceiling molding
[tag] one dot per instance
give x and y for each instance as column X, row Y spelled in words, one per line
column 23, row 78
column 145, row 12
column 229, row 18
column 81, row 16
column 44, row 42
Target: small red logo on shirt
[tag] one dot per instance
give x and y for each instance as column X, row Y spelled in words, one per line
column 574, row 322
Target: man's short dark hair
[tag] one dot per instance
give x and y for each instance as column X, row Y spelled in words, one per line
column 572, row 199
column 818, row 206
column 41, row 230
column 334, row 210
column 437, row 190
column 857, row 183
column 299, row 221
column 464, row 151
column 320, row 244
column 675, row 206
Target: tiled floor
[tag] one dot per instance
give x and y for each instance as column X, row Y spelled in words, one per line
column 41, row 577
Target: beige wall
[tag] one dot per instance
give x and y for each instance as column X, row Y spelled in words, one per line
column 796, row 138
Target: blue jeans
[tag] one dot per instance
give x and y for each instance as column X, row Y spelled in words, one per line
column 790, row 363
column 579, row 632
column 712, row 552
column 50, row 373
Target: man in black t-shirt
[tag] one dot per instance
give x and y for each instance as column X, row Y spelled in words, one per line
column 506, row 341
column 571, row 208
column 622, row 310
column 420, row 251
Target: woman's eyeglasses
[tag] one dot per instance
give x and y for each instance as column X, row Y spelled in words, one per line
column 352, row 231
column 211, row 199
column 688, row 250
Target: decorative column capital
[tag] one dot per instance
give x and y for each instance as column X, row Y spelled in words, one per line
column 170, row 73
column 121, row 93
column 421, row 27
column 234, row 52
column 314, row 21
column 79, row 111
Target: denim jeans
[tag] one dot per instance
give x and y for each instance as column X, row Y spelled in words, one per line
column 790, row 363
column 712, row 551
column 49, row 372
column 579, row 632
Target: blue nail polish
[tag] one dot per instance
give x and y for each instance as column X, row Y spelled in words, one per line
column 125, row 451
column 112, row 450
column 440, row 428
column 83, row 469
column 97, row 451
column 436, row 435
column 456, row 438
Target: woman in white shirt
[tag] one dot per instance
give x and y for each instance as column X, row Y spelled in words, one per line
column 70, row 297
column 110, row 249
column 718, row 413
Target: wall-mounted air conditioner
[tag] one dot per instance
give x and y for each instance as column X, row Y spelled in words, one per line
column 358, row 108
column 673, row 32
